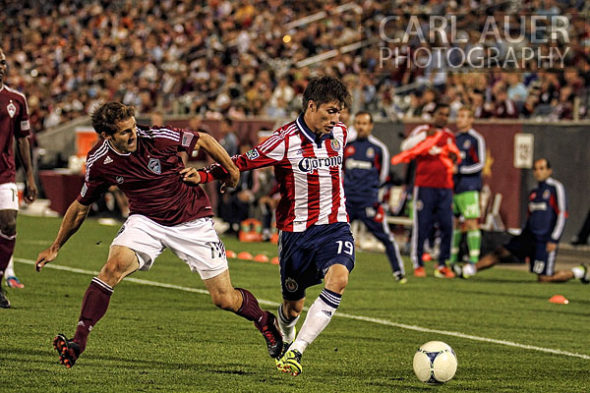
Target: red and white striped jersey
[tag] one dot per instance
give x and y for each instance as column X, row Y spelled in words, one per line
column 308, row 170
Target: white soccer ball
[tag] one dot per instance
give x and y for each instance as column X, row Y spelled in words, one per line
column 435, row 362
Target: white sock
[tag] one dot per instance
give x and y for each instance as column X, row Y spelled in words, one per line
column 318, row 317
column 9, row 272
column 287, row 326
column 578, row 272
column 469, row 269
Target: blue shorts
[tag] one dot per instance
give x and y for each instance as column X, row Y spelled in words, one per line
column 526, row 246
column 306, row 256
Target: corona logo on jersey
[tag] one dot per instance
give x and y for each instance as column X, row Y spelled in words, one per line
column 309, row 164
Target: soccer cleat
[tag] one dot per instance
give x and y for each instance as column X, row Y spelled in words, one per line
column 14, row 282
column 272, row 335
column 4, row 302
column 400, row 278
column 67, row 350
column 291, row 363
column 443, row 272
column 419, row 272
column 586, row 277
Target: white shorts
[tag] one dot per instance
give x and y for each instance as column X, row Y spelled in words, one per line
column 195, row 242
column 8, row 196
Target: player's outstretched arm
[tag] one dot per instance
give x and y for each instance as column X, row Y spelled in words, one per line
column 218, row 153
column 74, row 217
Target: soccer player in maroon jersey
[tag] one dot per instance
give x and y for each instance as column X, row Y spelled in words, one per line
column 315, row 242
column 165, row 211
column 14, row 123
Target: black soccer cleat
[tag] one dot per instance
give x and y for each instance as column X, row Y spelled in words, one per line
column 4, row 302
column 272, row 334
column 67, row 350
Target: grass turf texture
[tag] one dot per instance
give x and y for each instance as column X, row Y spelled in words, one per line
column 159, row 339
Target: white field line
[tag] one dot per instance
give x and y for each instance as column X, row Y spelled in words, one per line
column 378, row 321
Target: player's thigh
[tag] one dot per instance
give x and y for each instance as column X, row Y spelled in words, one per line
column 197, row 243
column 467, row 204
column 520, row 246
column 8, row 208
column 121, row 262
column 542, row 262
column 8, row 196
column 144, row 237
column 333, row 244
column 297, row 270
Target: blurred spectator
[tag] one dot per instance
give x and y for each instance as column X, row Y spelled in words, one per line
column 228, row 138
column 240, row 59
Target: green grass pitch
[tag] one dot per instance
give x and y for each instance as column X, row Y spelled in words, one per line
column 507, row 336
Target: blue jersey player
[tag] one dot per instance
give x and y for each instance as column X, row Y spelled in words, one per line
column 366, row 166
column 467, row 185
column 539, row 237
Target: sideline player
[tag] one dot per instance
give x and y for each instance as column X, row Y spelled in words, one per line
column 433, row 147
column 540, row 236
column 366, row 167
column 315, row 240
column 14, row 123
column 468, row 184
column 165, row 212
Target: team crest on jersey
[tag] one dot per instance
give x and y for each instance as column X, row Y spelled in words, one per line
column 11, row 108
column 155, row 166
column 252, row 154
column 467, row 144
column 546, row 194
column 370, row 152
column 291, row 285
column 119, row 179
column 335, row 144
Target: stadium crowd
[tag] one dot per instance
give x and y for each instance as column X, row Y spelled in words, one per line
column 248, row 58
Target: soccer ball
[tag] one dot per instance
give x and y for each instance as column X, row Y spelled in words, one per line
column 435, row 362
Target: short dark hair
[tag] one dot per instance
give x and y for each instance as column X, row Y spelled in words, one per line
column 104, row 119
column 543, row 159
column 365, row 113
column 440, row 105
column 326, row 89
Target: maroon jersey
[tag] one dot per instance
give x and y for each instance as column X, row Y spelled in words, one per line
column 149, row 176
column 14, row 122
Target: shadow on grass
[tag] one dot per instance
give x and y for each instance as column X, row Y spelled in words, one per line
column 32, row 356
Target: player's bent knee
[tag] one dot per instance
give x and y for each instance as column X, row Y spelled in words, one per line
column 337, row 278
column 8, row 228
column 292, row 309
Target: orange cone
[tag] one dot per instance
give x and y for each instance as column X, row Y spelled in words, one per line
column 261, row 258
column 245, row 256
column 426, row 257
column 230, row 254
column 275, row 261
column 558, row 299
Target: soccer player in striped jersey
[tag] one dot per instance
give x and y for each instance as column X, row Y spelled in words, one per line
column 315, row 241
column 165, row 211
column 538, row 241
column 14, row 124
